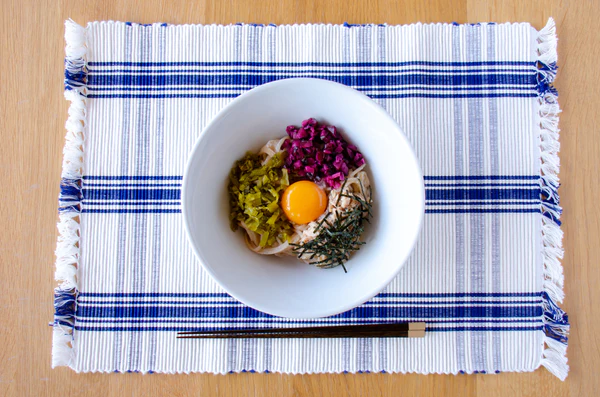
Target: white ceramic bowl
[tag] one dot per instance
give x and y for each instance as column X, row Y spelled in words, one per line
column 286, row 286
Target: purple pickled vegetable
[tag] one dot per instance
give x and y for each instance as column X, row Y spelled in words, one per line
column 344, row 169
column 319, row 152
column 335, row 180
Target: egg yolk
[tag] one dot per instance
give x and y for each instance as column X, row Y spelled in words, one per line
column 303, row 202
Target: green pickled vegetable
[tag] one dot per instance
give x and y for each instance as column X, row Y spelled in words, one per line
column 254, row 192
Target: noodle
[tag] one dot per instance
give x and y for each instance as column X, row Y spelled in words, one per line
column 280, row 249
column 357, row 183
column 272, row 148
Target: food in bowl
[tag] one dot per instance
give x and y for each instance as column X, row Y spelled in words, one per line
column 306, row 194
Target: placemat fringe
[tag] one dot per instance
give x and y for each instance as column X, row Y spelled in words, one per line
column 555, row 358
column 556, row 324
column 70, row 196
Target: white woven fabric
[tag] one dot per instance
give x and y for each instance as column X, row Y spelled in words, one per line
column 474, row 100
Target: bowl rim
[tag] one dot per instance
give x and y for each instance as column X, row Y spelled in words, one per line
column 199, row 141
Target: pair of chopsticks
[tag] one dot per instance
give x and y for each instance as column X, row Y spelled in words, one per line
column 398, row 330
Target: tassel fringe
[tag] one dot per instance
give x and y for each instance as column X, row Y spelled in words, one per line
column 556, row 322
column 70, row 197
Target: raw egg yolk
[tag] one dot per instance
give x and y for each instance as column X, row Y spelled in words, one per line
column 303, row 202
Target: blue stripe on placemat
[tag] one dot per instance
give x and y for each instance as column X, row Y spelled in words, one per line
column 361, row 312
column 238, row 303
column 287, row 321
column 239, row 89
column 479, row 177
column 381, row 295
column 125, row 203
column 138, row 185
column 131, row 194
column 182, row 329
column 429, row 184
column 132, row 211
column 441, row 203
column 93, row 64
column 476, row 210
column 444, row 194
column 446, row 202
column 364, row 80
column 427, row 210
column 133, row 177
column 430, row 194
column 478, row 194
column 372, row 71
column 372, row 96
column 426, row 177
column 136, row 81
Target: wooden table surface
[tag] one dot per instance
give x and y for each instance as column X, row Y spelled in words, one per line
column 32, row 117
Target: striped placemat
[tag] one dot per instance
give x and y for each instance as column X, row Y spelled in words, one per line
column 475, row 101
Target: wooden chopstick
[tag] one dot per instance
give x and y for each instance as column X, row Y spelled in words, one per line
column 366, row 327
column 398, row 330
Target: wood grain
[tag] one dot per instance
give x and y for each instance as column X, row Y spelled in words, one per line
column 33, row 112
